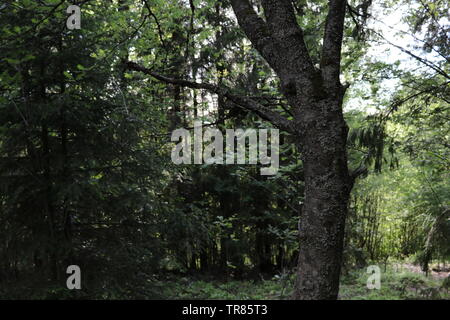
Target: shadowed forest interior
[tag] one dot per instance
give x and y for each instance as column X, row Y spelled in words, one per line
column 360, row 93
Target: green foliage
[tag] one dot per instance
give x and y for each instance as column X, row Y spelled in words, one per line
column 86, row 178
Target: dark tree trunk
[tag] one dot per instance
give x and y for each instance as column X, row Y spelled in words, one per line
column 204, row 263
column 322, row 221
column 315, row 95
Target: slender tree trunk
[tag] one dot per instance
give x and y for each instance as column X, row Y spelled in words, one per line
column 428, row 250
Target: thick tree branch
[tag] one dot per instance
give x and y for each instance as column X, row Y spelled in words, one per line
column 257, row 32
column 254, row 27
column 283, row 26
column 265, row 113
column 279, row 41
column 330, row 63
column 244, row 102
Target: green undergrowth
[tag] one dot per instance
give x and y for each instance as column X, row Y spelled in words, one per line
column 394, row 285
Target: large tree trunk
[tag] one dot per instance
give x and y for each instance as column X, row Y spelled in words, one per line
column 315, row 95
column 327, row 187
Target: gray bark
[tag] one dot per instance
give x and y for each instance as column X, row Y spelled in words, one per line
column 315, row 96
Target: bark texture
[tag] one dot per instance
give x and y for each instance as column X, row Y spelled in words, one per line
column 315, row 96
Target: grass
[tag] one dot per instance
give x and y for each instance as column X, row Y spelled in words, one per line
column 395, row 285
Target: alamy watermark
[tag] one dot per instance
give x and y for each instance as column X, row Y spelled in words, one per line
column 74, row 280
column 374, row 280
column 74, row 20
column 237, row 142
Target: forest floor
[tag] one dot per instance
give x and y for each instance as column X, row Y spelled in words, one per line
column 400, row 281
